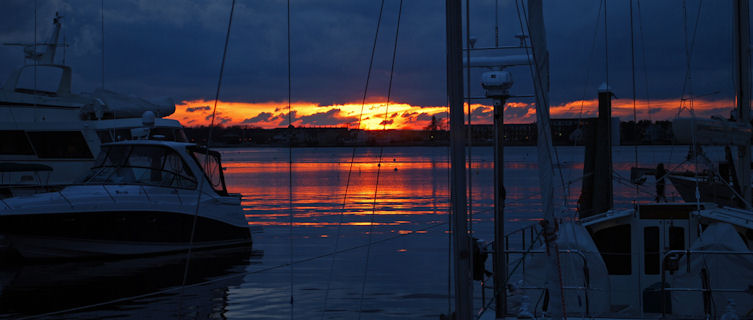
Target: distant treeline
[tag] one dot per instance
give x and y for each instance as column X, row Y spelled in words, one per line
column 564, row 132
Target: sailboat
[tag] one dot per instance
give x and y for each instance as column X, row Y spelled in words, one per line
column 676, row 260
column 719, row 183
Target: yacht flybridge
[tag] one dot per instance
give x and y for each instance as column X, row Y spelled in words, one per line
column 51, row 135
column 141, row 197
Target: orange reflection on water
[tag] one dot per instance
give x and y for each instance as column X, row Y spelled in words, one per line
column 358, row 168
column 417, row 189
column 321, row 224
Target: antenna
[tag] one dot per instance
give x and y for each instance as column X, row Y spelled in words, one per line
column 48, row 55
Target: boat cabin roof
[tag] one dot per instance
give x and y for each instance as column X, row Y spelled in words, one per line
column 160, row 163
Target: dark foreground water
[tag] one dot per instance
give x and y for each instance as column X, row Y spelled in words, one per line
column 353, row 256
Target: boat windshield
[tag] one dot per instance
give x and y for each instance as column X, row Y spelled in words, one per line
column 141, row 164
column 209, row 161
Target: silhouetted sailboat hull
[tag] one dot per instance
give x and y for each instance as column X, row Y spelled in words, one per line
column 709, row 191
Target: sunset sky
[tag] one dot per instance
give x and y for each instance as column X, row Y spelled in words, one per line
column 405, row 116
column 155, row 49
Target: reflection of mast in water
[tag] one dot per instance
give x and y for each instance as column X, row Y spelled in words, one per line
column 434, row 186
column 147, row 286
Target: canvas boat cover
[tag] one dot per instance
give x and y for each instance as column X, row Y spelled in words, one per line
column 722, row 272
column 126, row 106
column 584, row 270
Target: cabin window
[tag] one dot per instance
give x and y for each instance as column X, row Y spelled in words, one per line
column 651, row 250
column 146, row 165
column 43, row 80
column 614, row 246
column 60, row 144
column 209, row 162
column 676, row 238
column 14, row 142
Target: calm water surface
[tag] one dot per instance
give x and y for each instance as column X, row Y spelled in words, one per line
column 391, row 256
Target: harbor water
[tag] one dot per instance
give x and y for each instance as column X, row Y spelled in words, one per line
column 338, row 232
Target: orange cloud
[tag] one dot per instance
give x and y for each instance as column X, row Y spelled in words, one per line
column 377, row 115
column 275, row 114
column 664, row 109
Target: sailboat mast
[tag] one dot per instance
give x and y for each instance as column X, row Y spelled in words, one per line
column 462, row 254
column 500, row 262
column 742, row 88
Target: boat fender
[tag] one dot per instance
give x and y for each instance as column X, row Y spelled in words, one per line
column 518, row 300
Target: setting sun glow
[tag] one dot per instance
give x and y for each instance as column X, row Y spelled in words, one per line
column 378, row 115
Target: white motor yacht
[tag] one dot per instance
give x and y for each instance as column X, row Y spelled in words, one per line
column 140, row 197
column 43, row 123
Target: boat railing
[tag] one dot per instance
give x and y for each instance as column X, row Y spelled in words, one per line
column 675, row 255
column 174, row 191
column 142, row 188
column 586, row 283
column 528, row 235
column 585, row 287
column 526, row 238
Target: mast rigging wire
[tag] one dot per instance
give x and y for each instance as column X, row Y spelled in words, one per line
column 290, row 169
column 524, row 19
column 535, row 73
column 469, row 128
column 102, row 20
column 496, row 23
column 449, row 225
column 606, row 45
column 580, row 125
column 632, row 73
column 35, row 45
column 206, row 156
column 352, row 158
column 379, row 165
column 687, row 86
column 645, row 69
column 35, row 62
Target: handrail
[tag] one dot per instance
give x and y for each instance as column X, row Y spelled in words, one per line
column 688, row 252
column 522, row 231
column 587, row 284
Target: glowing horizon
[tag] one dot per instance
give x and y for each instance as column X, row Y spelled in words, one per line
column 376, row 115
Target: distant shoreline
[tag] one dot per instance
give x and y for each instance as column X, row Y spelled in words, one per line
column 229, row 146
column 565, row 132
